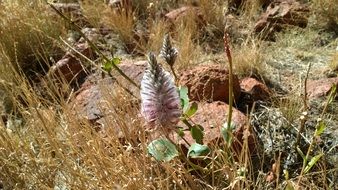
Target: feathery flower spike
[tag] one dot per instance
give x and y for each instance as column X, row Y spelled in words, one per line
column 168, row 53
column 160, row 99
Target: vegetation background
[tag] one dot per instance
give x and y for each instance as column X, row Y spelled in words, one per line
column 44, row 145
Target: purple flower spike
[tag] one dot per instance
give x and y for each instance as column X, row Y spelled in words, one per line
column 168, row 53
column 160, row 99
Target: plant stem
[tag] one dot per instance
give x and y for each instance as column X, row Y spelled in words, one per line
column 228, row 54
column 173, row 72
column 305, row 108
column 332, row 95
column 186, row 122
column 305, row 161
column 305, row 87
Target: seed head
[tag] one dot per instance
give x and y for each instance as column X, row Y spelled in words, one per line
column 160, row 99
column 168, row 53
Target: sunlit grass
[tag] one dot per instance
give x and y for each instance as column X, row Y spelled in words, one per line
column 29, row 35
column 45, row 142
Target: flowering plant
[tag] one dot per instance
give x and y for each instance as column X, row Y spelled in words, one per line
column 164, row 105
column 160, row 99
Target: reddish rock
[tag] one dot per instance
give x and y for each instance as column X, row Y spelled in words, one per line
column 70, row 66
column 210, row 83
column 87, row 103
column 256, row 89
column 321, row 87
column 282, row 12
column 114, row 3
column 90, row 103
column 93, row 34
column 72, row 10
column 120, row 4
column 179, row 13
column 236, row 4
column 212, row 116
column 67, row 7
column 133, row 70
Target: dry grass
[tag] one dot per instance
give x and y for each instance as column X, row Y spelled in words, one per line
column 215, row 20
column 189, row 52
column 122, row 20
column 249, row 59
column 28, row 35
column 53, row 147
column 123, row 23
column 158, row 29
column 187, row 33
column 28, row 45
column 297, row 38
column 326, row 12
column 46, row 144
column 93, row 11
column 290, row 106
column 334, row 62
column 251, row 9
column 188, row 30
column 148, row 8
column 56, row 149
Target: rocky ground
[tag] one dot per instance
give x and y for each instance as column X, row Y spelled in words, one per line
column 270, row 101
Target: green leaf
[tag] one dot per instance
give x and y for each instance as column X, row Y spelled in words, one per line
column 286, row 174
column 227, row 132
column 226, row 135
column 183, row 92
column 162, row 150
column 109, row 64
column 180, row 132
column 116, row 60
column 312, row 162
column 332, row 93
column 192, row 109
column 289, row 186
column 301, row 153
column 320, row 128
column 197, row 150
column 241, row 171
column 197, row 133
